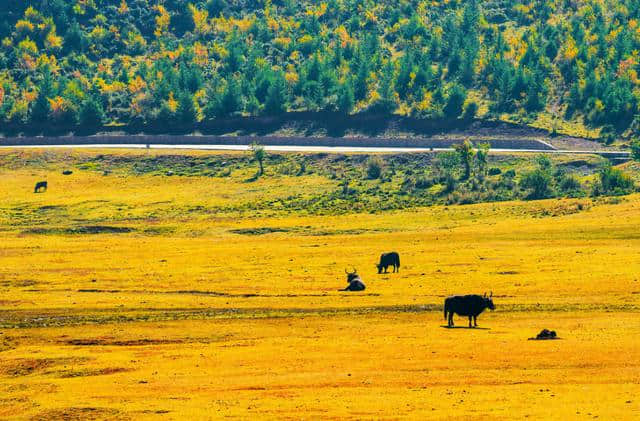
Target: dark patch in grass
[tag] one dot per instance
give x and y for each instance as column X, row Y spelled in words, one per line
column 159, row 230
column 322, row 233
column 579, row 163
column 18, row 284
column 113, row 291
column 78, row 413
column 80, row 230
column 50, row 208
column 7, row 344
column 306, row 231
column 25, row 366
column 67, row 374
column 259, row 231
column 111, row 342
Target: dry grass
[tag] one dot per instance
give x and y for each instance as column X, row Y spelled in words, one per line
column 192, row 319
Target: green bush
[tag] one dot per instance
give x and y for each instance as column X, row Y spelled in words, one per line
column 569, row 183
column 538, row 182
column 374, row 167
column 509, row 173
column 635, row 149
column 470, row 111
column 614, row 181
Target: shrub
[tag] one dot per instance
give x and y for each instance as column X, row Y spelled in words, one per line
column 465, row 153
column 635, row 149
column 258, row 154
column 470, row 111
column 544, row 162
column 455, row 101
column 614, row 181
column 423, row 183
column 447, row 160
column 608, row 134
column 509, row 173
column 569, row 183
column 449, row 183
column 538, row 182
column 495, row 171
column 374, row 167
column 303, row 167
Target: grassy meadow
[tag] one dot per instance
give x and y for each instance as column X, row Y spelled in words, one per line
column 149, row 284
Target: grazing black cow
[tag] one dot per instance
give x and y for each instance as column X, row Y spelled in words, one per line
column 354, row 281
column 40, row 186
column 467, row 305
column 389, row 259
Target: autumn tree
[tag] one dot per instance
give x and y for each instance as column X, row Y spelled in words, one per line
column 466, row 153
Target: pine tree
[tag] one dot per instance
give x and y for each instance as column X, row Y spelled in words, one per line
column 455, row 102
column 231, row 101
column 91, row 114
column 276, row 101
column 41, row 107
column 186, row 109
column 346, row 100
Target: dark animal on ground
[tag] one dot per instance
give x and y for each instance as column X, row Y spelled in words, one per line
column 354, row 281
column 40, row 186
column 544, row 335
column 67, row 172
column 467, row 305
column 389, row 259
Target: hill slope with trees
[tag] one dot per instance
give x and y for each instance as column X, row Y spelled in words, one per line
column 80, row 64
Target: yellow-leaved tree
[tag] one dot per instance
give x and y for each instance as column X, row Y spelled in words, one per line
column 200, row 20
column 162, row 21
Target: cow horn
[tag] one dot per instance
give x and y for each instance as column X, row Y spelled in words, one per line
column 491, row 295
column 346, row 271
column 485, row 295
column 355, row 270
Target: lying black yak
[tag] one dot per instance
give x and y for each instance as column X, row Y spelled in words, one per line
column 354, row 281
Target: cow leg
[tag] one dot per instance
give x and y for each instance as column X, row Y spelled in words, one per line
column 470, row 321
column 451, row 319
column 475, row 321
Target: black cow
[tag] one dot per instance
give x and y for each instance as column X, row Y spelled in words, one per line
column 354, row 281
column 467, row 305
column 40, row 186
column 389, row 259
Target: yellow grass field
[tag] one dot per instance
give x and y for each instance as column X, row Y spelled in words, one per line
column 198, row 314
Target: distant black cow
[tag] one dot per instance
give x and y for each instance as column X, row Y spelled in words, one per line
column 40, row 186
column 389, row 259
column 354, row 281
column 467, row 305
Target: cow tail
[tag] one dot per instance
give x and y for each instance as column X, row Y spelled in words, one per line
column 445, row 309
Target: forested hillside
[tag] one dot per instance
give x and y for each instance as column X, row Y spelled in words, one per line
column 154, row 63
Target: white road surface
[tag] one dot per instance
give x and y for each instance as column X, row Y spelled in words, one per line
column 294, row 148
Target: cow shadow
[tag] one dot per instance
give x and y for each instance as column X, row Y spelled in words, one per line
column 465, row 327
